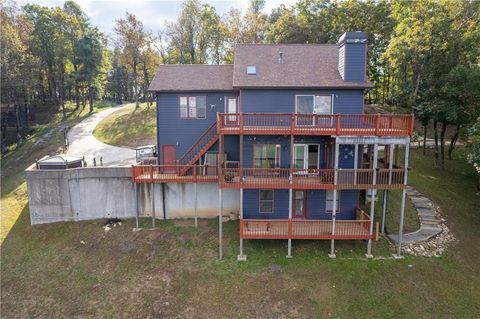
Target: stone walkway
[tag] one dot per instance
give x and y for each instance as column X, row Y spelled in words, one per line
column 430, row 222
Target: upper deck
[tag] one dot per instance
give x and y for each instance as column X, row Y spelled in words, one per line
column 314, row 124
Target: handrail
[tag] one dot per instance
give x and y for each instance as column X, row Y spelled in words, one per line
column 208, row 135
column 296, row 123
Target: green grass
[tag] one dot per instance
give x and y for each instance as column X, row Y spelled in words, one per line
column 172, row 271
column 129, row 127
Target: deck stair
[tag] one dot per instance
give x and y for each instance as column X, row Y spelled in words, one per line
column 200, row 147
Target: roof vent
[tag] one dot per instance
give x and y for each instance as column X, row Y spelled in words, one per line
column 251, row 70
column 280, row 58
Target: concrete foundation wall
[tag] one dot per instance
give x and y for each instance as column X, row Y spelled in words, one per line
column 107, row 192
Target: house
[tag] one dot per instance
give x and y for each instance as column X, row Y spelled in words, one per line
column 285, row 125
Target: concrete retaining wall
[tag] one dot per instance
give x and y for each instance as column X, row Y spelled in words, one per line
column 108, row 192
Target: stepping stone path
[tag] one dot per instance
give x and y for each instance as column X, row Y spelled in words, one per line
column 433, row 236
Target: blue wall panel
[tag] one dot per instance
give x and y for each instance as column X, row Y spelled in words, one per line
column 251, row 205
column 171, row 129
column 283, row 101
column 355, row 62
column 316, row 203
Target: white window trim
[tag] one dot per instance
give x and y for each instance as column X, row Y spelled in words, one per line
column 314, row 95
column 188, row 97
column 272, row 200
column 327, row 200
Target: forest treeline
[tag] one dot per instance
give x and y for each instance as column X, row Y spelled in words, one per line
column 423, row 55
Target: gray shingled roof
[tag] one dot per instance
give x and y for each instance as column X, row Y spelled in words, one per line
column 192, row 77
column 304, row 66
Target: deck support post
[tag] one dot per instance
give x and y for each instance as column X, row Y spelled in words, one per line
column 241, row 256
column 195, row 203
column 355, row 164
column 220, row 221
column 384, row 210
column 398, row 255
column 136, row 206
column 335, row 196
column 290, row 207
column 391, row 148
column 153, row 205
column 372, row 200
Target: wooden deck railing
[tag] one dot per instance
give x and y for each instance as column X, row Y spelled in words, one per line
column 270, row 178
column 314, row 124
column 307, row 229
column 281, row 178
column 174, row 173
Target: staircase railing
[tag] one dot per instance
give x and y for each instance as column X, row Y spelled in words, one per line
column 200, row 143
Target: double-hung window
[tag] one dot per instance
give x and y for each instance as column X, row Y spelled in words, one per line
column 266, row 201
column 193, row 107
column 329, row 202
column 266, row 155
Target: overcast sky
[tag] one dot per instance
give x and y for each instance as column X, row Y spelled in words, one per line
column 153, row 13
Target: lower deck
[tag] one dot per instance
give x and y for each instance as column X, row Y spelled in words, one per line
column 308, row 229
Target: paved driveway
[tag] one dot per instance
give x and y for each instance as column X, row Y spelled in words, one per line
column 82, row 142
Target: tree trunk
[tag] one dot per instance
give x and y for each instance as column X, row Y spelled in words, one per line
column 453, row 142
column 425, row 140
column 442, row 146
column 90, row 102
column 135, row 84
column 435, row 129
column 77, row 89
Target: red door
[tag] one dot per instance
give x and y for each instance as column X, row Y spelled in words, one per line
column 169, row 157
column 299, row 202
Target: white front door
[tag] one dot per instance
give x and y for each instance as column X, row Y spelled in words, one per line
column 231, row 107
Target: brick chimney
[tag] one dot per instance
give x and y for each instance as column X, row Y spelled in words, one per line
column 352, row 56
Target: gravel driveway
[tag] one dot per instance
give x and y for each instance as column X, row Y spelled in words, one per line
column 82, row 142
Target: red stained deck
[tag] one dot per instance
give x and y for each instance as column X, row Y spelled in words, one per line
column 281, row 178
column 313, row 124
column 307, row 229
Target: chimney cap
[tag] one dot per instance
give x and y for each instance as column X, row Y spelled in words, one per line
column 353, row 37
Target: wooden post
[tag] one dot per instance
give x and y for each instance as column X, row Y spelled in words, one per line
column 355, row 165
column 377, row 124
column 384, row 209
column 372, row 203
column 385, row 194
column 337, row 124
column 241, row 159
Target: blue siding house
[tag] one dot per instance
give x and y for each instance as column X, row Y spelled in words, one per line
column 285, row 125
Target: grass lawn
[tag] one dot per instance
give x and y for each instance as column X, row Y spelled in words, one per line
column 76, row 269
column 129, row 127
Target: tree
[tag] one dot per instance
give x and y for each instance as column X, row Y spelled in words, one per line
column 473, row 147
column 197, row 37
column 131, row 40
